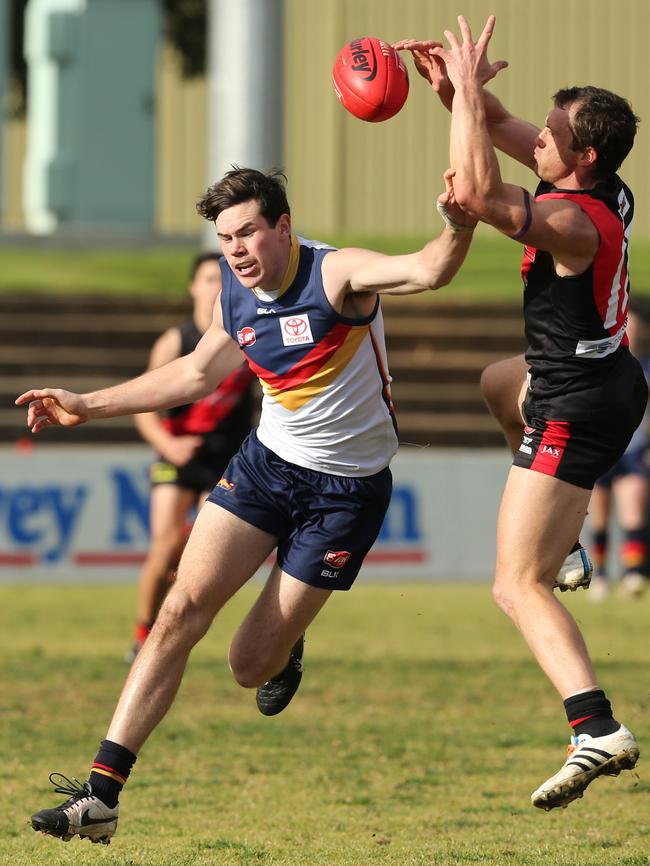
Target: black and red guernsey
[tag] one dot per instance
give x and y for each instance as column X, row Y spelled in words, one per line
column 575, row 326
column 222, row 416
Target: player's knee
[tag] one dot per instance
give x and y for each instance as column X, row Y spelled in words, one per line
column 181, row 619
column 248, row 669
column 502, row 596
column 494, row 394
column 250, row 665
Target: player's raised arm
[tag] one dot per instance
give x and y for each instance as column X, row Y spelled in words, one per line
column 559, row 227
column 180, row 381
column 435, row 265
column 510, row 134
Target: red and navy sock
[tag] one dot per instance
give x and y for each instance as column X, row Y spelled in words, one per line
column 141, row 631
column 591, row 713
column 633, row 551
column 110, row 770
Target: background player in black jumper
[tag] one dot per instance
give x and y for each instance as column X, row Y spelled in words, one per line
column 193, row 444
column 311, row 482
column 579, row 391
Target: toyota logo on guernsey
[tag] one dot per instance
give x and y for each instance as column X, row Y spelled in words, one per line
column 246, row 336
column 295, row 330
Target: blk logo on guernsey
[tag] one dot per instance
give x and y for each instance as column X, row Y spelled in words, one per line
column 295, row 330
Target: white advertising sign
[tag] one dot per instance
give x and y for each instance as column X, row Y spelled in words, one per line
column 83, row 514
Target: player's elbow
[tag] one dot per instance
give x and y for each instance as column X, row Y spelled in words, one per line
column 480, row 201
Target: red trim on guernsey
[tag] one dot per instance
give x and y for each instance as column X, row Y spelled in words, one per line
column 306, row 368
column 608, row 258
column 580, row 721
column 206, row 414
column 551, row 448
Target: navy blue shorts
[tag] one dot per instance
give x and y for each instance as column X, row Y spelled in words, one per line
column 325, row 524
column 631, row 463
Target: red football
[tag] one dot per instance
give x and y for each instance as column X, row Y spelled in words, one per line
column 370, row 79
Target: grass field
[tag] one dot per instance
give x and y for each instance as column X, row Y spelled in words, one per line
column 489, row 274
column 421, row 728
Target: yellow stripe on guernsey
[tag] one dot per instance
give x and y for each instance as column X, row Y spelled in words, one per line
column 292, row 267
column 294, row 398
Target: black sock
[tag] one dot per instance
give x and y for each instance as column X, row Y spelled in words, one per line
column 109, row 771
column 591, row 713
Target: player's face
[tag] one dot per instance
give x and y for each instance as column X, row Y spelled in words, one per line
column 257, row 253
column 553, row 154
column 204, row 289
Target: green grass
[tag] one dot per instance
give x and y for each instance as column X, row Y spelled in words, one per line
column 489, row 274
column 419, row 731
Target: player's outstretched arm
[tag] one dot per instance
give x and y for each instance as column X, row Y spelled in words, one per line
column 510, row 134
column 359, row 271
column 181, row 381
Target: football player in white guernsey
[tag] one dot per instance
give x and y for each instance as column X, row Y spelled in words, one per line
column 570, row 407
column 319, row 316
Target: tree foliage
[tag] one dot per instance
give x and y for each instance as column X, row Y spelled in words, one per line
column 186, row 28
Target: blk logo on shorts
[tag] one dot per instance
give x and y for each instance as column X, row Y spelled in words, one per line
column 246, row 336
column 337, row 558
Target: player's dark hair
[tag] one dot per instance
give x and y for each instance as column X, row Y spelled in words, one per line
column 245, row 184
column 201, row 259
column 603, row 121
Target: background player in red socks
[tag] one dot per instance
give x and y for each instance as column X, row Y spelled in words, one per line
column 312, row 480
column 194, row 444
column 579, row 391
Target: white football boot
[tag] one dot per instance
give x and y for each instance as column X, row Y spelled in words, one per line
column 599, row 588
column 576, row 571
column 82, row 815
column 589, row 757
column 633, row 584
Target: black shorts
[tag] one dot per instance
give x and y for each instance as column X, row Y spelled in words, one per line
column 579, row 452
column 198, row 475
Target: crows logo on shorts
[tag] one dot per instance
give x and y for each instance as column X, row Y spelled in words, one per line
column 227, row 485
column 337, row 558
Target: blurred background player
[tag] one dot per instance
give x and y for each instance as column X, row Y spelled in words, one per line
column 193, row 442
column 626, row 487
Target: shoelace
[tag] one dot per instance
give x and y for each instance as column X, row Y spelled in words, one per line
column 75, row 789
